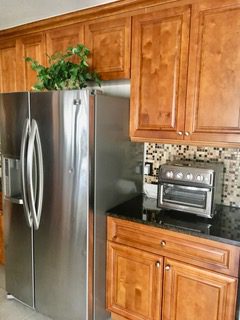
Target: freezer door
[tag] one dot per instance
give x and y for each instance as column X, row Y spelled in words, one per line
column 14, row 111
column 61, row 240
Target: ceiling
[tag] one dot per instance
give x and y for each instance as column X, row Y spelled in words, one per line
column 15, row 12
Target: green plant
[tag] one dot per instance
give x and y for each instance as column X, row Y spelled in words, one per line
column 62, row 73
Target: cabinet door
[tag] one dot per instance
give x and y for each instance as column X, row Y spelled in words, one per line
column 109, row 42
column 194, row 293
column 8, row 70
column 213, row 104
column 60, row 39
column 30, row 46
column 134, row 285
column 158, row 75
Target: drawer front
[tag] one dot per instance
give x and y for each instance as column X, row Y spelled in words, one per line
column 209, row 254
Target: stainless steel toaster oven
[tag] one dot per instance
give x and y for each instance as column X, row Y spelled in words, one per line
column 190, row 186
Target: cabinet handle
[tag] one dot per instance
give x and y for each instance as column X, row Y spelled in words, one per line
column 158, row 264
column 187, row 133
column 168, row 267
column 163, row 243
column 180, row 133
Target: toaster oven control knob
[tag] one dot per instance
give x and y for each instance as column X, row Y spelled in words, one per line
column 169, row 174
column 179, row 175
column 200, row 178
column 189, row 176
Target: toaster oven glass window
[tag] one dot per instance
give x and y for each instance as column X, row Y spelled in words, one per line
column 190, row 196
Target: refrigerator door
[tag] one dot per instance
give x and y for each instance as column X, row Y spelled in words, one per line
column 61, row 240
column 14, row 110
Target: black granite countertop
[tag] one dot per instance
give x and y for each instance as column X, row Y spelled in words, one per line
column 223, row 227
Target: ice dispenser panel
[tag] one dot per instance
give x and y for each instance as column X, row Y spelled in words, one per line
column 12, row 180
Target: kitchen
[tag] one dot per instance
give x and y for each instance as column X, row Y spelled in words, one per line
column 199, row 80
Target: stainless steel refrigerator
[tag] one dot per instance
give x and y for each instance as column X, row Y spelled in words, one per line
column 66, row 159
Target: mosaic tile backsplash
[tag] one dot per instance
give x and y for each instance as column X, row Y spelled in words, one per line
column 160, row 153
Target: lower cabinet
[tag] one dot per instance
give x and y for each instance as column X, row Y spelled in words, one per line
column 193, row 293
column 144, row 285
column 135, row 282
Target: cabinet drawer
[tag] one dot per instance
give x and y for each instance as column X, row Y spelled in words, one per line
column 209, row 254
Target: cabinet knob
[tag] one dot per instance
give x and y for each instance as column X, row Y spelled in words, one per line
column 187, row 133
column 180, row 133
column 163, row 243
column 168, row 267
column 158, row 264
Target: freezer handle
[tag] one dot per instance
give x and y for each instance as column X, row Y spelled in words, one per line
column 24, row 144
column 35, row 194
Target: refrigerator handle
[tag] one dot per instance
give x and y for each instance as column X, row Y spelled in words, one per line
column 25, row 134
column 34, row 148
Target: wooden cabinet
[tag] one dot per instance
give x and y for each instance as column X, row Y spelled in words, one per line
column 154, row 274
column 135, row 282
column 159, row 72
column 15, row 73
column 30, row 46
column 186, row 74
column 60, row 38
column 109, row 42
column 213, row 105
column 194, row 293
column 8, row 66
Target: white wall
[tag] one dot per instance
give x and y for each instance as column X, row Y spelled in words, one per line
column 17, row 12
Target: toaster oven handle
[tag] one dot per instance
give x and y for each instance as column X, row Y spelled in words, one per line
column 184, row 187
column 160, row 194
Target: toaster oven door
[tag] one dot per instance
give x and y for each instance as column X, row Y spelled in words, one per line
column 186, row 198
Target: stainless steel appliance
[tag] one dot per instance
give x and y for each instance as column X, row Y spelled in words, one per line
column 190, row 186
column 66, row 159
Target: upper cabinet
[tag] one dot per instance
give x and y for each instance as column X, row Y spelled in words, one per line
column 109, row 42
column 59, row 39
column 182, row 58
column 8, row 66
column 160, row 43
column 213, row 104
column 30, row 46
column 185, row 82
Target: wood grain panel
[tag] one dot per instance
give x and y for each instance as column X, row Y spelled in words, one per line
column 109, row 43
column 30, row 46
column 134, row 282
column 194, row 293
column 115, row 316
column 159, row 70
column 206, row 253
column 8, row 74
column 59, row 39
column 214, row 98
